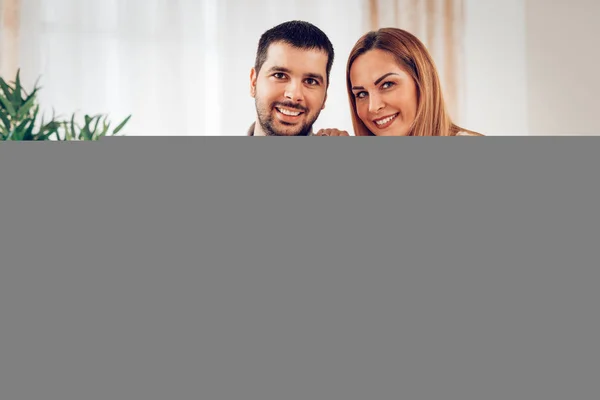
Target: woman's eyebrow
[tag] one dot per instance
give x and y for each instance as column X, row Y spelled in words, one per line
column 384, row 76
column 376, row 82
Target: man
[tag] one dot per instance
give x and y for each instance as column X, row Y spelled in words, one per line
column 289, row 80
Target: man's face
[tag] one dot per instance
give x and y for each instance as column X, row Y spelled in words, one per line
column 289, row 90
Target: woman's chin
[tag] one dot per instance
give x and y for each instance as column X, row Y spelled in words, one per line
column 390, row 132
column 393, row 130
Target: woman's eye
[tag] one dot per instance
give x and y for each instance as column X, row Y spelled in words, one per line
column 360, row 95
column 387, row 85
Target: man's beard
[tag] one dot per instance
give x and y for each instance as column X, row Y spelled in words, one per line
column 265, row 119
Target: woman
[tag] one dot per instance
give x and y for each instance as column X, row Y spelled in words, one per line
column 394, row 88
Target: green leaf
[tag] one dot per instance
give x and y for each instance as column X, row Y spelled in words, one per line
column 17, row 100
column 37, row 87
column 121, row 125
column 95, row 133
column 6, row 89
column 47, row 131
column 44, row 137
column 72, row 134
column 67, row 133
column 105, row 125
column 19, row 131
column 5, row 120
column 9, row 107
column 29, row 131
column 24, row 110
column 55, row 125
column 85, row 133
column 51, row 128
column 104, row 128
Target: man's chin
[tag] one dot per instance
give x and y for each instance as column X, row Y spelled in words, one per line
column 283, row 130
column 301, row 133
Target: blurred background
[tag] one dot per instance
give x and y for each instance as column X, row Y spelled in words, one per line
column 182, row 67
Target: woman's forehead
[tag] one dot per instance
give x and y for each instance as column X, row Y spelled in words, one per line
column 368, row 67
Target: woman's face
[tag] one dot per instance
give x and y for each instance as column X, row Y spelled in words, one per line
column 386, row 96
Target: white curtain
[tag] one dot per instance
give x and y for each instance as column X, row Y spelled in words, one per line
column 439, row 24
column 9, row 37
column 135, row 57
column 180, row 67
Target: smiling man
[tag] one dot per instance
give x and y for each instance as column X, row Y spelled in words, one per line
column 290, row 78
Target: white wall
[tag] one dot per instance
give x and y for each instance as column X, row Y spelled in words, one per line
column 495, row 68
column 532, row 67
column 563, row 66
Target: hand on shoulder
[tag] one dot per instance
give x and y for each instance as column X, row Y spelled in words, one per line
column 331, row 132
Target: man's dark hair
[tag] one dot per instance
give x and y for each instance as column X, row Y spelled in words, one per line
column 299, row 34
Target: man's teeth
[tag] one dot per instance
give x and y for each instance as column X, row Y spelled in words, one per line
column 288, row 112
column 386, row 120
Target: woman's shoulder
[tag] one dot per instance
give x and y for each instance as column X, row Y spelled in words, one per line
column 456, row 130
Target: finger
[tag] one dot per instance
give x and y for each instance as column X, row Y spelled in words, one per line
column 337, row 132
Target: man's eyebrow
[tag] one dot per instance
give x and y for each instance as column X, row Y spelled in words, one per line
column 376, row 82
column 275, row 68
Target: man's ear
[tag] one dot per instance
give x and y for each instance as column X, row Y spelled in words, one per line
column 253, row 77
column 324, row 101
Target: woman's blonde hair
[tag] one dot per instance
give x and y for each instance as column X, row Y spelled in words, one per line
column 431, row 118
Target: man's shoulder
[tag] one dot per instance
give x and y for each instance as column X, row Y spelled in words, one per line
column 251, row 130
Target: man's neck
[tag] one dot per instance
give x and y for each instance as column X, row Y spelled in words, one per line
column 258, row 131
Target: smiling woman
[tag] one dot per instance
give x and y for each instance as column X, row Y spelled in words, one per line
column 394, row 88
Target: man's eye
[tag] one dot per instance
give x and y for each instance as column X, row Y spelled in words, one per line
column 279, row 75
column 312, row 81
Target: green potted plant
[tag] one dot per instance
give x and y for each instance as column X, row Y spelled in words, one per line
column 19, row 113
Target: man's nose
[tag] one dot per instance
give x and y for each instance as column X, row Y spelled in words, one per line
column 293, row 91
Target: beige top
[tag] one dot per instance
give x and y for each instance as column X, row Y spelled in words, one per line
column 463, row 133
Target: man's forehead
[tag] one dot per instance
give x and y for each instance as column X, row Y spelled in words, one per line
column 283, row 54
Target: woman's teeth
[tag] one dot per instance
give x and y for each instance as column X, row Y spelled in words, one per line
column 386, row 120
